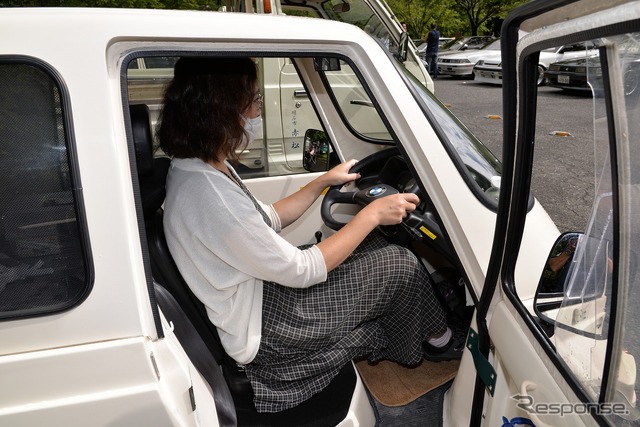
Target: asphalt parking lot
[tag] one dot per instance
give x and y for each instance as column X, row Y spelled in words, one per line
column 562, row 177
column 563, row 181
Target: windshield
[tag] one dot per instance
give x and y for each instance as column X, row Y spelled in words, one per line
column 477, row 42
column 474, row 160
column 358, row 13
column 495, row 45
column 452, row 44
column 480, row 168
column 361, row 14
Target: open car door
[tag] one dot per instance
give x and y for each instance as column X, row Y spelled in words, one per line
column 566, row 354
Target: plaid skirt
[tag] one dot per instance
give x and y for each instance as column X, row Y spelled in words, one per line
column 378, row 303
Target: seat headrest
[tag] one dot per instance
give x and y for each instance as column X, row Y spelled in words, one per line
column 142, row 137
column 152, row 172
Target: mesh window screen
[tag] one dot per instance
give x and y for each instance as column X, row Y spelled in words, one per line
column 41, row 259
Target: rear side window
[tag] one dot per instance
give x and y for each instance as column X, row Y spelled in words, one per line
column 42, row 263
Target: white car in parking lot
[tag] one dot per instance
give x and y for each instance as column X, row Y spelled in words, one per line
column 98, row 328
column 489, row 69
column 461, row 64
column 457, row 45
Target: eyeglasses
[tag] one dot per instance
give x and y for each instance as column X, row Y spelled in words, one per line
column 259, row 100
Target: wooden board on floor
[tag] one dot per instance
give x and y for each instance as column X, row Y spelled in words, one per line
column 393, row 384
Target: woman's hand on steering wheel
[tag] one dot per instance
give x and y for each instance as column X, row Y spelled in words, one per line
column 392, row 209
column 340, row 174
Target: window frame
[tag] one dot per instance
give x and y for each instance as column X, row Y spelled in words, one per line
column 76, row 188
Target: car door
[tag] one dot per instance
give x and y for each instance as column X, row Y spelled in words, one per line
column 566, row 353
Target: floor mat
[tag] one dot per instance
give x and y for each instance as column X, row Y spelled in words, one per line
column 396, row 385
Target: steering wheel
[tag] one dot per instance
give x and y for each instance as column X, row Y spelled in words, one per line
column 420, row 224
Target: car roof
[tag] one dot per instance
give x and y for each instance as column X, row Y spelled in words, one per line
column 478, row 42
column 162, row 24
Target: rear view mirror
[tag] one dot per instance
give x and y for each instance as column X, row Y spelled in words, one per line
column 316, row 151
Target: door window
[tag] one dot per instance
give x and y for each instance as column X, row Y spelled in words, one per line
column 356, row 106
column 288, row 111
column 42, row 263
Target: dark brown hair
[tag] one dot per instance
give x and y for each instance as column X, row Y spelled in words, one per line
column 203, row 106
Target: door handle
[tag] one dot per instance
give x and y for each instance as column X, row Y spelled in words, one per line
column 300, row 94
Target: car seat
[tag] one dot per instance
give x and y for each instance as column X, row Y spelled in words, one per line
column 326, row 408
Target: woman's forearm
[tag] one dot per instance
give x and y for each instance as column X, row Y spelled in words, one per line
column 293, row 206
column 337, row 247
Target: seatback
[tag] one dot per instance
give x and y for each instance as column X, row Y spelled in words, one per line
column 152, row 174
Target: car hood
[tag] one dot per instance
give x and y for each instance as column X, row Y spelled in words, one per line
column 592, row 61
column 462, row 53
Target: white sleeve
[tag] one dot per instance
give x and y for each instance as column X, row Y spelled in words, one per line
column 273, row 216
column 226, row 222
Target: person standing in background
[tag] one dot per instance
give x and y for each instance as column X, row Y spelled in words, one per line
column 433, row 42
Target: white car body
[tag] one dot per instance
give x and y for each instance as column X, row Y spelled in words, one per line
column 107, row 355
column 489, row 69
column 461, row 64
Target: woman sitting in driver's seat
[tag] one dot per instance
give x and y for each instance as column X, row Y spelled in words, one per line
column 293, row 316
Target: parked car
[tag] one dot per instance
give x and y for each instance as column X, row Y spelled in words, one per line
column 444, row 40
column 579, row 74
column 422, row 47
column 464, row 44
column 489, row 70
column 97, row 326
column 573, row 74
column 461, row 64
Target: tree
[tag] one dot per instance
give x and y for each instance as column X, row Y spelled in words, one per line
column 454, row 17
column 481, row 12
column 419, row 14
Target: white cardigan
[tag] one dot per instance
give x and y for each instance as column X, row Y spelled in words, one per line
column 224, row 250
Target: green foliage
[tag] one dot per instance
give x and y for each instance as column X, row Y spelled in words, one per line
column 479, row 13
column 453, row 17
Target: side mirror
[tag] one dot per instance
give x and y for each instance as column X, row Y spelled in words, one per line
column 316, row 150
column 573, row 288
column 555, row 272
column 326, row 64
column 550, row 293
column 403, row 47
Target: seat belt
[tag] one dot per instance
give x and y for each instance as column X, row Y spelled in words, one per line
column 199, row 355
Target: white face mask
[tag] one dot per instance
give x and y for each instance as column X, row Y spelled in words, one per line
column 252, row 127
